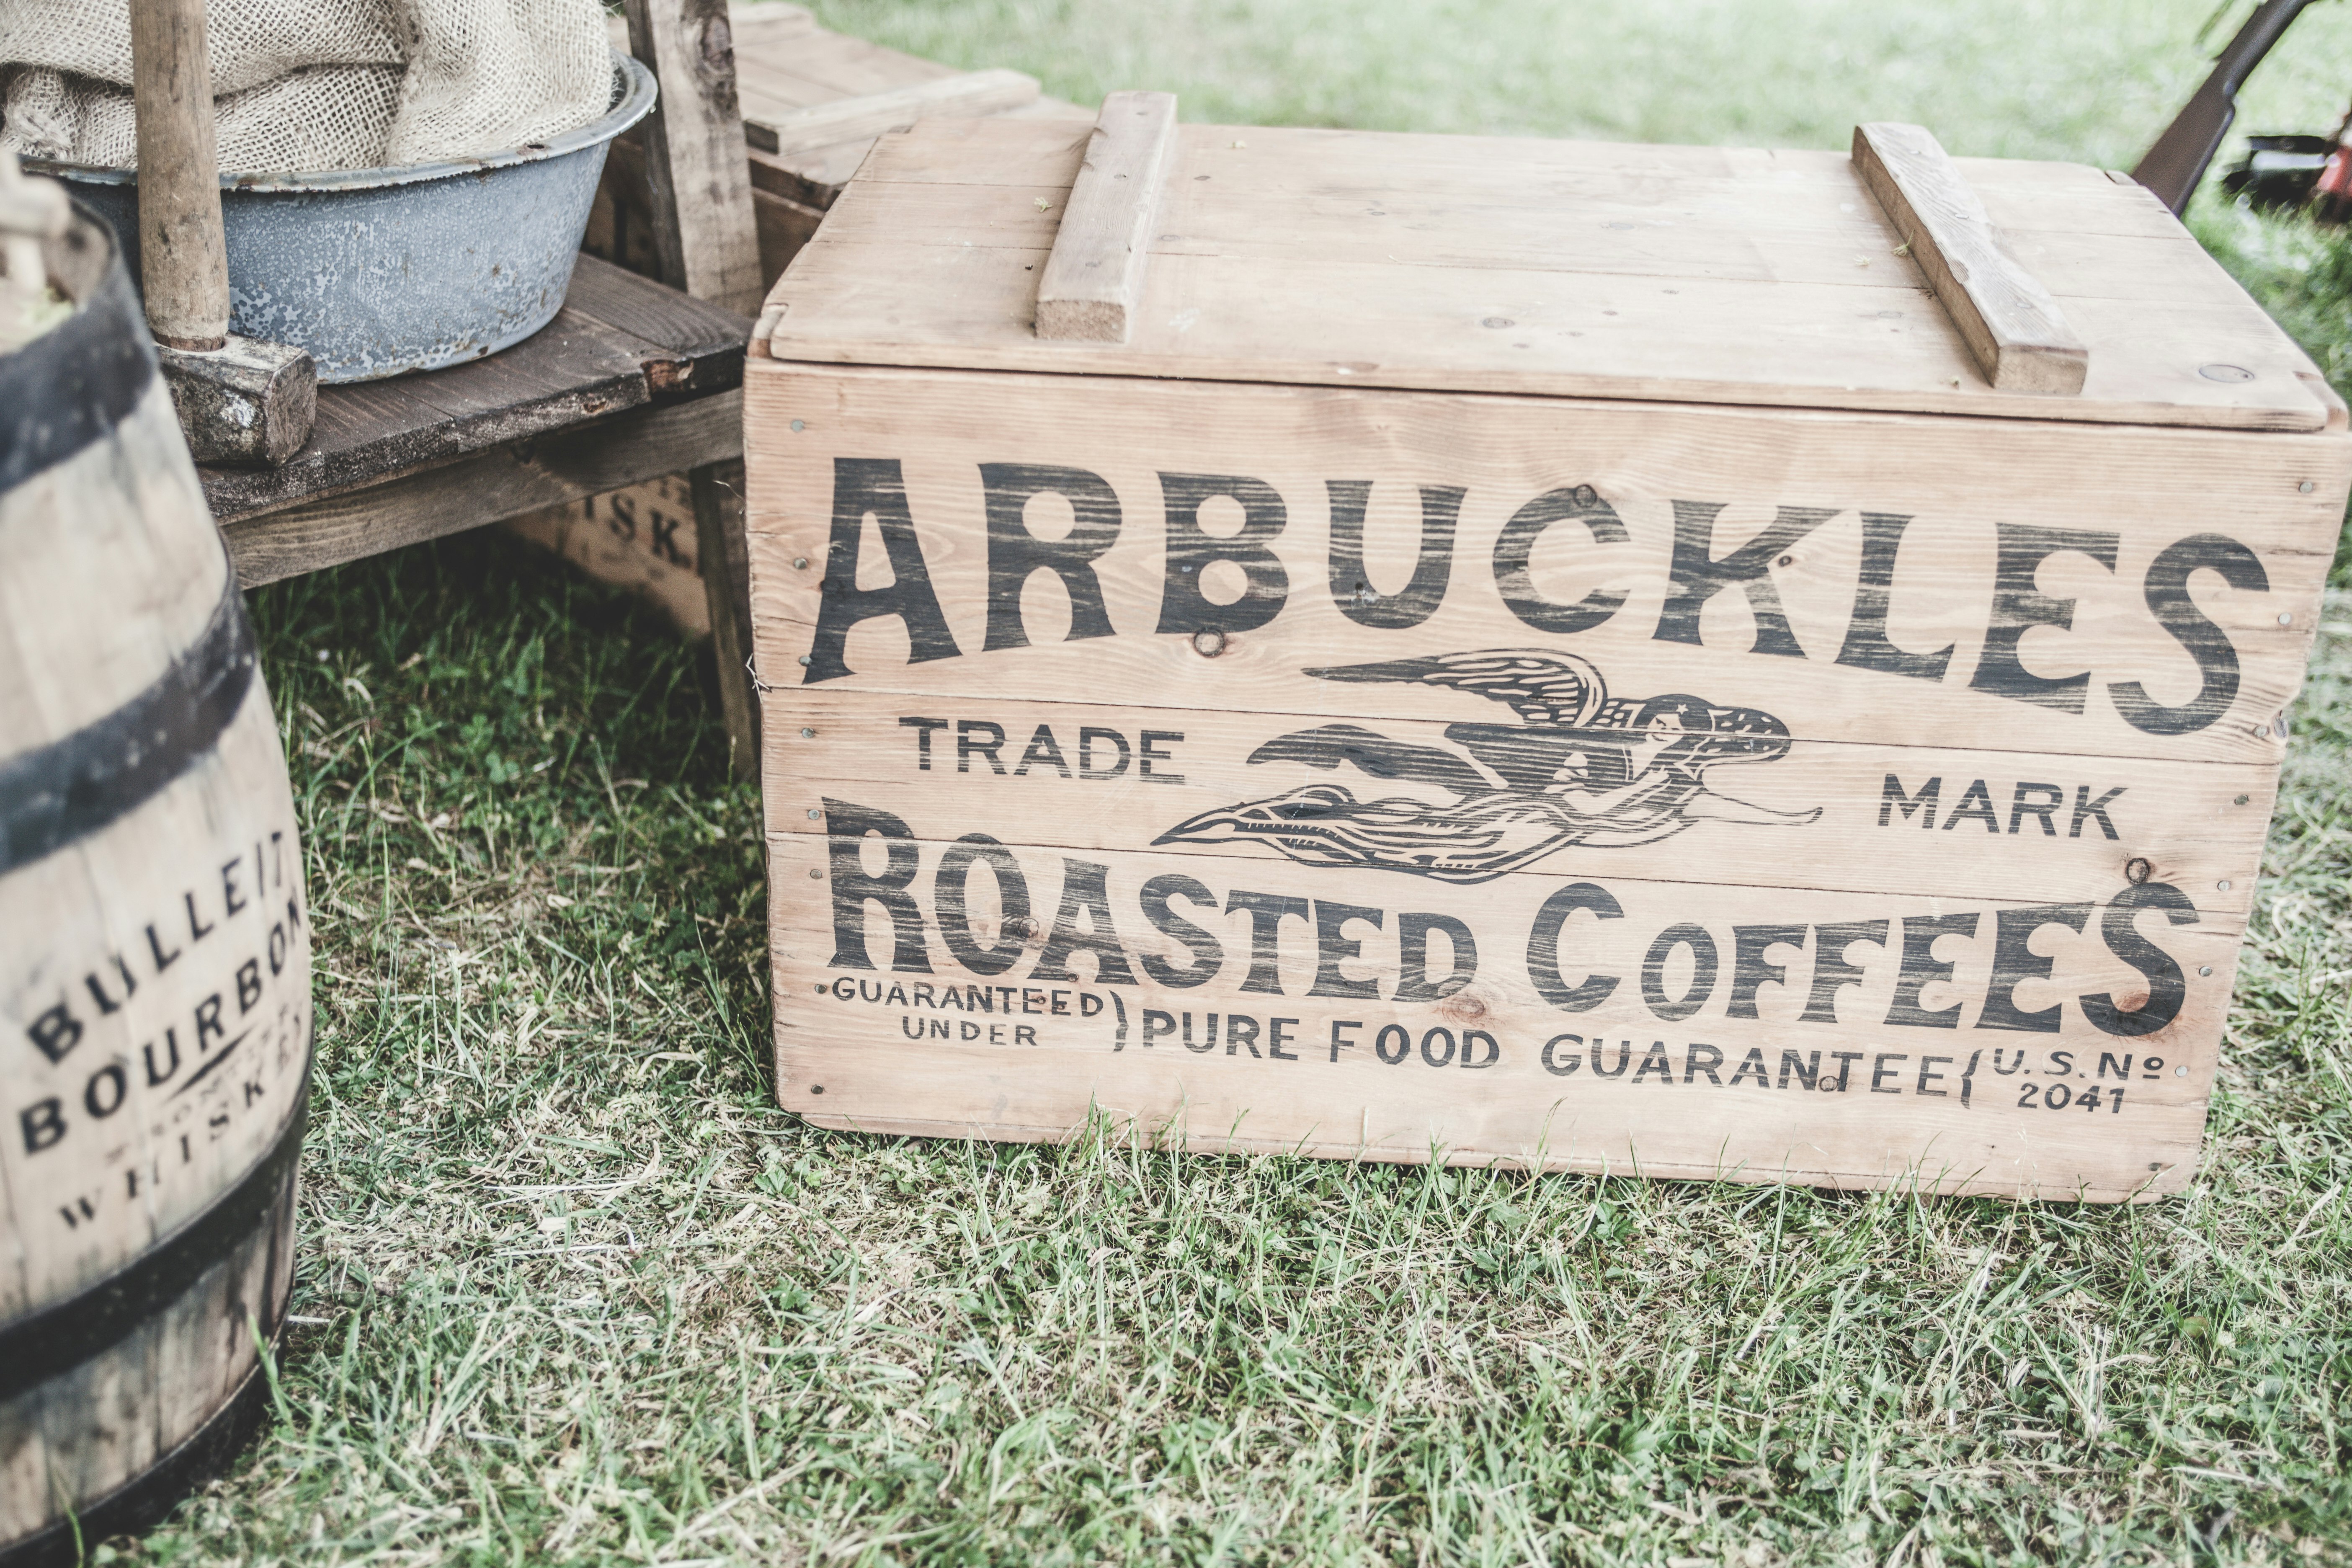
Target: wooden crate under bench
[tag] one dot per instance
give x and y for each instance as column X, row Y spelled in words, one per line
column 1709, row 662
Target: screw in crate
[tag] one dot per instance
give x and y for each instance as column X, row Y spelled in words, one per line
column 807, row 733
column 800, row 562
column 815, row 813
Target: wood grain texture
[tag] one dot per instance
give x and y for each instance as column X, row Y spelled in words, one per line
column 183, row 257
column 620, row 342
column 718, row 497
column 1678, row 274
column 641, row 539
column 966, row 95
column 1958, row 483
column 1092, row 283
column 1977, row 823
column 1705, row 791
column 485, row 488
column 701, row 187
column 155, row 977
column 245, row 403
column 1664, row 1065
column 2019, row 334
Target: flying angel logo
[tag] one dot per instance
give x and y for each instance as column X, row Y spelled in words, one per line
column 1580, row 768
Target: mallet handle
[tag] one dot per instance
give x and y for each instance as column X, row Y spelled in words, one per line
column 183, row 261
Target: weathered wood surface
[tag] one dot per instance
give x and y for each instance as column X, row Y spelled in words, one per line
column 967, row 95
column 1616, row 694
column 154, row 978
column 725, row 556
column 1924, row 638
column 786, row 66
column 641, row 539
column 620, row 342
column 700, row 187
column 1092, row 283
column 1705, row 1066
column 245, row 403
column 489, row 487
column 1561, row 268
column 184, row 254
column 1088, row 775
column 2014, row 328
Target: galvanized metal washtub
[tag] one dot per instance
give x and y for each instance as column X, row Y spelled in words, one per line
column 381, row 272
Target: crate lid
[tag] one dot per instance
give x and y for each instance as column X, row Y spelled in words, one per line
column 1893, row 278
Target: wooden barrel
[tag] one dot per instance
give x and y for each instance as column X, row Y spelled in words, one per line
column 154, row 948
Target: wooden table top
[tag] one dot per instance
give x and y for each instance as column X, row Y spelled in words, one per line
column 621, row 341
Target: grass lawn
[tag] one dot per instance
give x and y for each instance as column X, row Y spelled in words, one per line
column 572, row 1289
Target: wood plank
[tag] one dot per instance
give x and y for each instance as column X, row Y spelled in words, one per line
column 720, row 548
column 700, row 188
column 485, row 488
column 1717, row 229
column 2139, row 491
column 784, row 226
column 628, row 341
column 1075, row 777
column 2013, row 325
column 967, row 95
column 1896, row 1081
column 1092, row 283
column 824, row 65
column 697, row 333
column 1323, row 319
column 1340, row 296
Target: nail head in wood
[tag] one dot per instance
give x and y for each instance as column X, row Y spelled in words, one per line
column 2011, row 323
column 1092, row 286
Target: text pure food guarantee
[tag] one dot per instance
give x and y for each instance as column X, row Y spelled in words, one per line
column 1837, row 796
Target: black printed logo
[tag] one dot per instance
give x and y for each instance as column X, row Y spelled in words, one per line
column 1581, row 768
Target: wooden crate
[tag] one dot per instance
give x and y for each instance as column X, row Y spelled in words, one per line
column 1542, row 653
column 641, row 539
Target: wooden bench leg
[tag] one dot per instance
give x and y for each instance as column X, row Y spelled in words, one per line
column 725, row 578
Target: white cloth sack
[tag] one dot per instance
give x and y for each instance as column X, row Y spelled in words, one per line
column 316, row 84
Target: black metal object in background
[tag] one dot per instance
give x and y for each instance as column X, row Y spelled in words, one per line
column 2178, row 160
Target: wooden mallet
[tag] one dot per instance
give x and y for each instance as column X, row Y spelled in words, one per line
column 240, row 401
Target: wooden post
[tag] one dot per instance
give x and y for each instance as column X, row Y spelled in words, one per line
column 725, row 562
column 703, row 231
column 707, row 240
column 183, row 259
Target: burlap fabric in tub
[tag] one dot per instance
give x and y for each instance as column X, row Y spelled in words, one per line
column 380, row 271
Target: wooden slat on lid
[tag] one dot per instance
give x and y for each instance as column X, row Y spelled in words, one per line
column 2020, row 336
column 1558, row 268
column 1092, row 285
